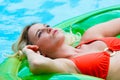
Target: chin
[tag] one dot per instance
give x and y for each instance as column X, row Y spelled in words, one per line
column 61, row 37
column 60, row 41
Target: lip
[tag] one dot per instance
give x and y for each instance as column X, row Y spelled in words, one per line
column 55, row 31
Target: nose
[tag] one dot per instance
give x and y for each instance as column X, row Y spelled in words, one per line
column 49, row 29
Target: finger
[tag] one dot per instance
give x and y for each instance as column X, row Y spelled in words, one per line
column 33, row 47
column 26, row 49
column 38, row 52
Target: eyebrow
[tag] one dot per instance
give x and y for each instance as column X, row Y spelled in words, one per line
column 46, row 25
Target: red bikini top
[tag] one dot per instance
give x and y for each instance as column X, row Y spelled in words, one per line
column 97, row 64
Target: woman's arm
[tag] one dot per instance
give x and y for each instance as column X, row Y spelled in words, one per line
column 40, row 64
column 106, row 29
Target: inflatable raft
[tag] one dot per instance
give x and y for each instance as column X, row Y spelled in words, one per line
column 14, row 69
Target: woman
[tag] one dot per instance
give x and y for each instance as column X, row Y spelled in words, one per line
column 96, row 55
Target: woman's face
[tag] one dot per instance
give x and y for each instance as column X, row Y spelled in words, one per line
column 45, row 37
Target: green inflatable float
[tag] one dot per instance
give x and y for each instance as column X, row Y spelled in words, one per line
column 14, row 69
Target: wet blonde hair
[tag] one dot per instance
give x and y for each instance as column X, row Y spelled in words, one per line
column 23, row 40
column 71, row 38
column 21, row 43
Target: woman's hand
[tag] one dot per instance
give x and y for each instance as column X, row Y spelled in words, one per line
column 27, row 50
column 30, row 48
column 35, row 48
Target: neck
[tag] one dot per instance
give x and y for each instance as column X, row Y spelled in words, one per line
column 65, row 51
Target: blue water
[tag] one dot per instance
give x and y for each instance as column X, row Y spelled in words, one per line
column 15, row 14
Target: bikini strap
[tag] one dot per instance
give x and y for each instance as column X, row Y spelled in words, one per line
column 113, row 52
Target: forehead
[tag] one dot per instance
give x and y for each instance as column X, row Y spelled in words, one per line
column 36, row 26
column 32, row 30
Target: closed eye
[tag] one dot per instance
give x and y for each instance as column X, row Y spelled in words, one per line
column 39, row 34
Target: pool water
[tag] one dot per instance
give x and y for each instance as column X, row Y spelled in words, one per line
column 16, row 14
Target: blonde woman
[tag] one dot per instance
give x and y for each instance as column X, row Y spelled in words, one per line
column 96, row 55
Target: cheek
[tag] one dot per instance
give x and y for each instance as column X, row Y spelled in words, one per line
column 47, row 40
column 43, row 41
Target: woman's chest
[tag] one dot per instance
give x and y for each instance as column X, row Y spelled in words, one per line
column 94, row 47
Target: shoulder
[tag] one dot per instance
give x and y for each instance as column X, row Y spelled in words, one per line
column 106, row 29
